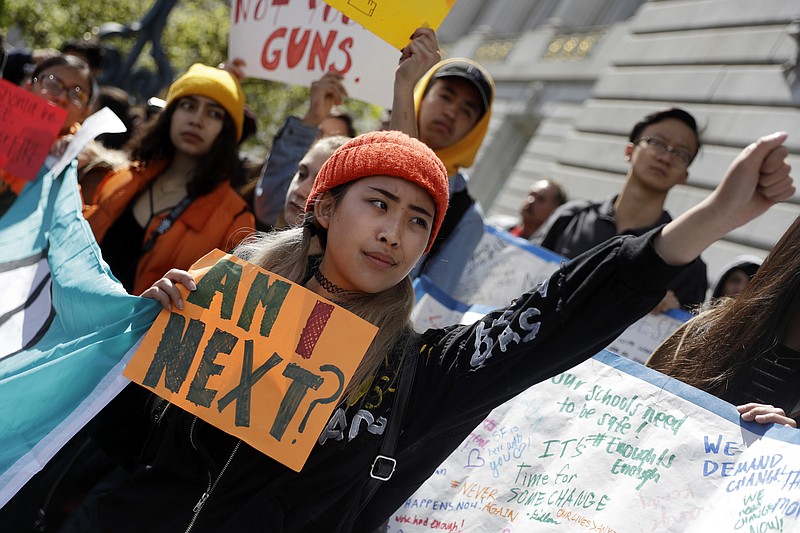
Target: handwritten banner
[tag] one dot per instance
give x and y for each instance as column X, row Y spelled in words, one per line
column 255, row 355
column 612, row 446
column 501, row 268
column 297, row 41
column 646, row 334
column 29, row 125
column 395, row 20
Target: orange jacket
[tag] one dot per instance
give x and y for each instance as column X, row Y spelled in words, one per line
column 219, row 219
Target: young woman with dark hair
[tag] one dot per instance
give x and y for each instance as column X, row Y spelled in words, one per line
column 174, row 203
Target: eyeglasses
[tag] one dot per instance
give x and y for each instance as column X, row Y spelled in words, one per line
column 52, row 84
column 681, row 156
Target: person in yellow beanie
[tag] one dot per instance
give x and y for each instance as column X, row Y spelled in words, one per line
column 174, row 203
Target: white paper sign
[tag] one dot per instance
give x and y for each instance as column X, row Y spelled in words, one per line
column 435, row 309
column 502, row 267
column 298, row 41
column 611, row 446
column 104, row 121
column 646, row 334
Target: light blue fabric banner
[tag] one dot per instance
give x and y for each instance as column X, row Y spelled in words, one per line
column 65, row 326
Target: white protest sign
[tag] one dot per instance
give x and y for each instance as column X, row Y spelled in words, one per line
column 103, row 121
column 646, row 334
column 435, row 309
column 612, row 446
column 502, row 268
column 298, row 41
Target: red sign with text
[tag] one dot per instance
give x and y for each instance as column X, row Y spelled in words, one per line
column 29, row 125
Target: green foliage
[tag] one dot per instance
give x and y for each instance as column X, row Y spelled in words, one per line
column 49, row 24
column 196, row 32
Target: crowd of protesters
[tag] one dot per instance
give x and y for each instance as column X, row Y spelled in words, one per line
column 175, row 188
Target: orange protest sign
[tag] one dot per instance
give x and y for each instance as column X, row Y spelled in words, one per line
column 395, row 20
column 29, row 125
column 255, row 355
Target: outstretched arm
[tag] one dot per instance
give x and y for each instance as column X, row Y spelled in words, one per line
column 417, row 58
column 326, row 92
column 757, row 179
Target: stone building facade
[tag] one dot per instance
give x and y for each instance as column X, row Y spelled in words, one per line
column 573, row 76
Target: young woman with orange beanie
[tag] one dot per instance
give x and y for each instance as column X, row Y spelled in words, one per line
column 174, row 204
column 375, row 208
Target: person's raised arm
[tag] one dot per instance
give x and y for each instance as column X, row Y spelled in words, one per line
column 417, row 58
column 757, row 179
column 326, row 92
column 294, row 139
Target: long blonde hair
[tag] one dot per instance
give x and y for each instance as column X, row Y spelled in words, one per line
column 288, row 253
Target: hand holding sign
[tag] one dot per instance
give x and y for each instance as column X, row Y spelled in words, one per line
column 421, row 54
column 395, row 20
column 417, row 58
column 166, row 291
column 326, row 92
column 251, row 353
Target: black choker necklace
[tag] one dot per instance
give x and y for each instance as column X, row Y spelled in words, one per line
column 328, row 285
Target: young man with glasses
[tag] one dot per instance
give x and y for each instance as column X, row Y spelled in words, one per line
column 661, row 147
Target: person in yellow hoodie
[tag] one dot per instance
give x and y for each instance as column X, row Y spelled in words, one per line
column 453, row 105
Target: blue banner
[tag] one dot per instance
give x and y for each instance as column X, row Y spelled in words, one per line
column 65, row 326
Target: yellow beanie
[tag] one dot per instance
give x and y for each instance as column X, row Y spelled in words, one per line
column 214, row 83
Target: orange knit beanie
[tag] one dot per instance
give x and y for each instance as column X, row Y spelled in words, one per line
column 386, row 153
